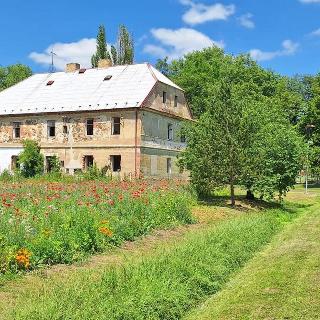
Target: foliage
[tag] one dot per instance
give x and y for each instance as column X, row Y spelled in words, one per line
column 102, row 51
column 125, row 46
column 31, row 161
column 165, row 284
column 47, row 223
column 236, row 100
column 13, row 74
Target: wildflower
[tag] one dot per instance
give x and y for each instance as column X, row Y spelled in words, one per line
column 106, row 231
column 23, row 258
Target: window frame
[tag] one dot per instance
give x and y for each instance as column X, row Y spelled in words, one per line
column 114, row 124
column 16, row 125
column 91, row 126
column 112, row 160
column 170, row 132
column 51, row 125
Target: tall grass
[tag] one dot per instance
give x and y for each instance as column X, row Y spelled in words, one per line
column 163, row 286
column 44, row 223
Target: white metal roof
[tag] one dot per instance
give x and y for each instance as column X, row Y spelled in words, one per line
column 128, row 88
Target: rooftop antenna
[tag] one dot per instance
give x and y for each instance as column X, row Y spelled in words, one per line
column 52, row 67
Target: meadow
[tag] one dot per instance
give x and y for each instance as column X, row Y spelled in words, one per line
column 45, row 223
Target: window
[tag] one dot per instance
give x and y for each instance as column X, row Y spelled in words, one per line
column 87, row 162
column 89, row 127
column 82, row 70
column 182, row 138
column 116, row 124
column 51, row 125
column 16, row 130
column 14, row 162
column 170, row 132
column 50, row 163
column 50, row 83
column 175, row 101
column 169, row 167
column 62, row 164
column 65, row 129
column 164, row 97
column 108, row 77
column 116, row 163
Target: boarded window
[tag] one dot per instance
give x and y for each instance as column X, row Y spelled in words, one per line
column 175, row 101
column 116, row 125
column 16, row 130
column 116, row 163
column 88, row 162
column 51, row 125
column 164, row 97
column 170, row 132
column 89, row 127
column 169, row 166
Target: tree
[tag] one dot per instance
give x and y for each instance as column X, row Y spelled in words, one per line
column 13, row 74
column 125, row 46
column 236, row 100
column 102, row 49
column 31, row 161
column 163, row 66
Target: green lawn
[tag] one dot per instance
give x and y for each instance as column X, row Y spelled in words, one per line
column 281, row 282
column 248, row 262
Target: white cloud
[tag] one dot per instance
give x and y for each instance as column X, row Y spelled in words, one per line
column 176, row 43
column 309, row 1
column 199, row 13
column 315, row 33
column 246, row 21
column 288, row 48
column 79, row 52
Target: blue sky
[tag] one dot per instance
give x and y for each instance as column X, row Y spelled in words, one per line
column 283, row 35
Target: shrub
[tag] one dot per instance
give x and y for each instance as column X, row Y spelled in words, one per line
column 31, row 161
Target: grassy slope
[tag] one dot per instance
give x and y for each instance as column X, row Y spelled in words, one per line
column 282, row 282
column 162, row 285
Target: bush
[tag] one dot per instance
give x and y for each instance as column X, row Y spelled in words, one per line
column 31, row 161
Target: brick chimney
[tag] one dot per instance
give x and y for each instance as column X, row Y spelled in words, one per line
column 72, row 67
column 104, row 63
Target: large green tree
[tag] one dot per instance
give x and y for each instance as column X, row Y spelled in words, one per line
column 13, row 74
column 235, row 101
column 102, row 49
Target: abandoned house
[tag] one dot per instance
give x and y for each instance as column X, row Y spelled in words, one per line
column 125, row 119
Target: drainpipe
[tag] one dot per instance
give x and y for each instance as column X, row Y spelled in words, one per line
column 136, row 145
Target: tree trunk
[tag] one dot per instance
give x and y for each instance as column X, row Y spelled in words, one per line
column 233, row 201
column 250, row 195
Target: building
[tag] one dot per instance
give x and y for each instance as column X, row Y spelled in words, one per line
column 126, row 119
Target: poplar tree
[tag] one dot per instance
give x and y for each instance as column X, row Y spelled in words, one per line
column 102, row 49
column 125, row 46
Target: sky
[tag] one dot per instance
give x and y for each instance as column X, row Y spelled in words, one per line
column 282, row 35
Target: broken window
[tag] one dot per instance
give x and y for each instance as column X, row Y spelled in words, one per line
column 16, row 130
column 89, row 127
column 65, row 129
column 116, row 124
column 164, row 97
column 175, row 101
column 116, row 163
column 51, row 125
column 170, row 132
column 87, row 162
column 169, row 166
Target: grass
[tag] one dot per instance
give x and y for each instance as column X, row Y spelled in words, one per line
column 163, row 285
column 281, row 282
column 45, row 223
